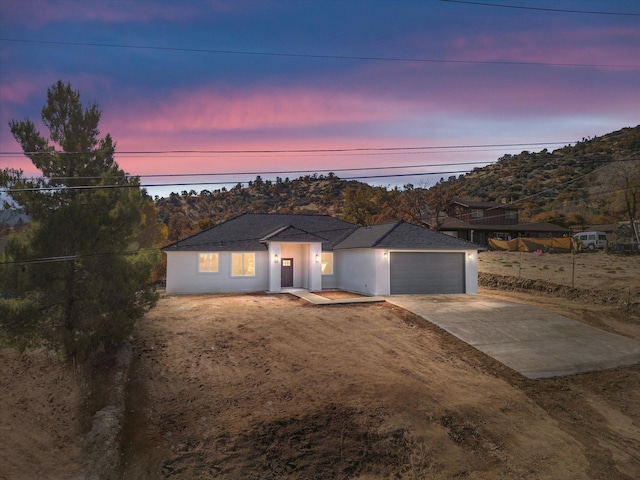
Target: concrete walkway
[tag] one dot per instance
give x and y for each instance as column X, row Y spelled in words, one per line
column 534, row 342
column 320, row 300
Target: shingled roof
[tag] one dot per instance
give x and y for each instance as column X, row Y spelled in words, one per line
column 251, row 231
column 402, row 235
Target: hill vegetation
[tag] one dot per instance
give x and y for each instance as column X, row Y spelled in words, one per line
column 574, row 184
column 192, row 211
column 595, row 181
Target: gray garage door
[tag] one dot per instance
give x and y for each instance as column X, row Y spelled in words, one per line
column 427, row 273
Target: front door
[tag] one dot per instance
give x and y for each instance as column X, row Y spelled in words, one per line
column 286, row 272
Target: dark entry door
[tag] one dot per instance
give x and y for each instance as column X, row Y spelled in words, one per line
column 286, row 272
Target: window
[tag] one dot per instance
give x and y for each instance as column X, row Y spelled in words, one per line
column 511, row 214
column 243, row 264
column 208, row 262
column 477, row 213
column 327, row 263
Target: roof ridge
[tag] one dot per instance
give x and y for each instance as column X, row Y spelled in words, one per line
column 395, row 225
column 310, row 233
column 278, row 214
column 275, row 232
column 287, row 227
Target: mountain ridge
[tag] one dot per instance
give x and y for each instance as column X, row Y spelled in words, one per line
column 573, row 184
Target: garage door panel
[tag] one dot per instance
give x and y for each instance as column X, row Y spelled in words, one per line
column 420, row 273
column 445, row 273
column 407, row 274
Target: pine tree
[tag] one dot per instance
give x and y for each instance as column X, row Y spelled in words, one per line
column 77, row 277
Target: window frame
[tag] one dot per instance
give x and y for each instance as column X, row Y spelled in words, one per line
column 209, row 257
column 323, row 263
column 476, row 213
column 244, row 264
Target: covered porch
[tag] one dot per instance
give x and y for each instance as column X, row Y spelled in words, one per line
column 296, row 260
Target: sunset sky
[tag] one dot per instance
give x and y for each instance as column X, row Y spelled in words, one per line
column 250, row 87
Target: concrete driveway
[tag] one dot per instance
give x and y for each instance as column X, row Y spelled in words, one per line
column 532, row 341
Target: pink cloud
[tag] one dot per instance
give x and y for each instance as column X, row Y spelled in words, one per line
column 18, row 90
column 207, row 110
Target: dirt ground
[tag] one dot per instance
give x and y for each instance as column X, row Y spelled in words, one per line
column 41, row 405
column 268, row 386
column 598, row 270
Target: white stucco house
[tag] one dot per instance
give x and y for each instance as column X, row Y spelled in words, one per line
column 273, row 252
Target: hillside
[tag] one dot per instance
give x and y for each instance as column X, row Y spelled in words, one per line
column 579, row 184
column 193, row 211
column 571, row 184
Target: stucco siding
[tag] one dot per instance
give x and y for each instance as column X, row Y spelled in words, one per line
column 183, row 276
column 471, row 271
column 356, row 270
column 329, row 282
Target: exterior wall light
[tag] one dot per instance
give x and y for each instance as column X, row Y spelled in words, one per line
column 386, row 255
column 317, row 258
column 275, row 258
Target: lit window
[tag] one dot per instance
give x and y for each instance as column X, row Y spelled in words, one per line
column 208, row 262
column 327, row 263
column 243, row 264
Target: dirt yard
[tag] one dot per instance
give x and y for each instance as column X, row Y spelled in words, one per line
column 599, row 270
column 270, row 387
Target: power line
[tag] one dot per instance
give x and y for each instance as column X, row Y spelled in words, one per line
column 287, row 172
column 559, row 10
column 302, row 150
column 317, row 56
column 280, row 172
column 235, row 182
column 188, row 184
column 69, row 258
column 627, row 158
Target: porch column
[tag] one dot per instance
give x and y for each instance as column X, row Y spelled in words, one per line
column 315, row 269
column 275, row 259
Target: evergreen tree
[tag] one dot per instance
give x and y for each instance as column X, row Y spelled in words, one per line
column 77, row 277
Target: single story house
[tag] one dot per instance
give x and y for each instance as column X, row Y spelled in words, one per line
column 272, row 252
